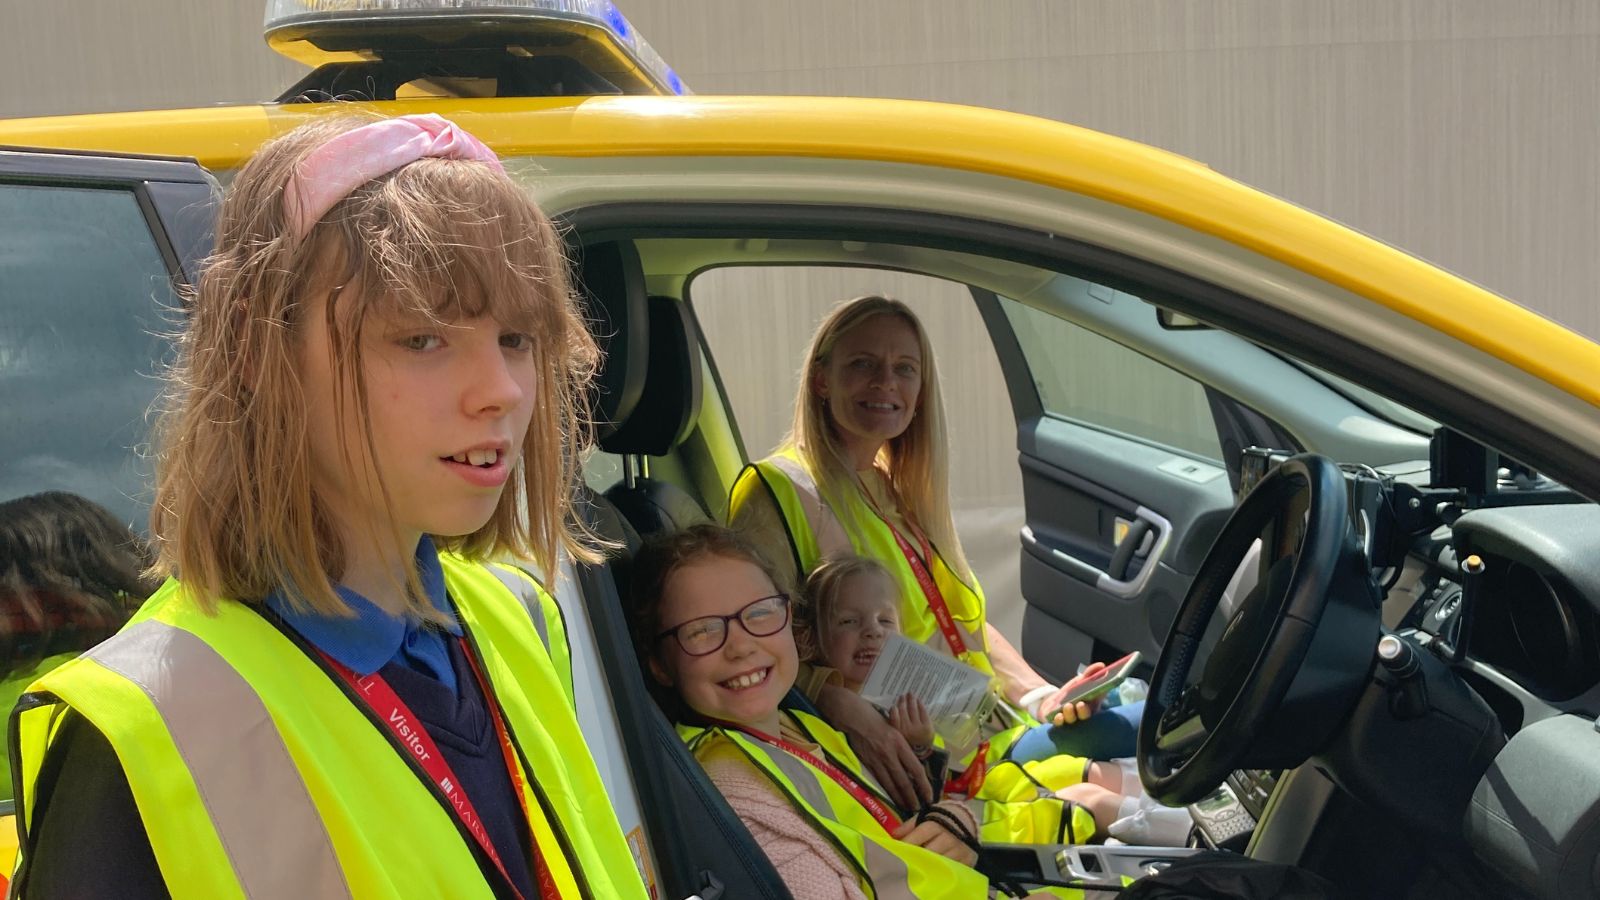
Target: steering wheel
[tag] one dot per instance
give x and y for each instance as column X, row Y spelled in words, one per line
column 1195, row 731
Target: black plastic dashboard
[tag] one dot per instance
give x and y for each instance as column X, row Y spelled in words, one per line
column 1536, row 616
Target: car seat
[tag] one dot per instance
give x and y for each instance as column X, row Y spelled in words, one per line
column 663, row 417
column 701, row 847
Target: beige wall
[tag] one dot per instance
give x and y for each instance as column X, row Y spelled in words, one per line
column 1463, row 130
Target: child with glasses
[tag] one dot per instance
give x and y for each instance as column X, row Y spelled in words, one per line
column 712, row 626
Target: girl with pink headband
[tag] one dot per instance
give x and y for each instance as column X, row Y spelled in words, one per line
column 334, row 693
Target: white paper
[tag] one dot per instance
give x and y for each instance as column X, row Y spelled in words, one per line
column 958, row 697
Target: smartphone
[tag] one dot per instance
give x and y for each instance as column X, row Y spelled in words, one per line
column 1104, row 683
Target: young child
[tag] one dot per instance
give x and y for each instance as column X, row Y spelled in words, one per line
column 332, row 695
column 712, row 626
column 851, row 610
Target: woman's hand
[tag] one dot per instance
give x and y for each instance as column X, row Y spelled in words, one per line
column 934, row 836
column 910, row 718
column 1059, row 712
column 881, row 748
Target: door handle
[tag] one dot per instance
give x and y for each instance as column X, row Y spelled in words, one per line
column 1123, row 557
column 1115, row 584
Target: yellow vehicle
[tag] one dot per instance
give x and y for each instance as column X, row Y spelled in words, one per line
column 1375, row 710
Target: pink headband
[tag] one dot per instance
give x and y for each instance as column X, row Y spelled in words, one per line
column 330, row 172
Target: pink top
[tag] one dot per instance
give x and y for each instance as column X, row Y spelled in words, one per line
column 810, row 866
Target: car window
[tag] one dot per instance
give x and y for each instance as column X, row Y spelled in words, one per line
column 83, row 296
column 1088, row 378
column 1370, row 400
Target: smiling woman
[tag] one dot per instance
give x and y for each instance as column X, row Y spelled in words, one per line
column 865, row 470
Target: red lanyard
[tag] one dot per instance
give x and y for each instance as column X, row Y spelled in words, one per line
column 941, row 610
column 879, row 810
column 411, row 735
column 968, row 782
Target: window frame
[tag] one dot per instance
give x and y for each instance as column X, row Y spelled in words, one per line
column 1025, row 362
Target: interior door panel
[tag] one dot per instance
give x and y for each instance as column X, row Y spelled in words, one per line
column 1084, row 490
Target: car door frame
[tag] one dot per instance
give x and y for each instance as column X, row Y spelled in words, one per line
column 176, row 195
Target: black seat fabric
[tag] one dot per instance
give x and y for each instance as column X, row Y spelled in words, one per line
column 698, row 839
column 670, row 402
column 663, row 417
column 656, row 507
column 649, row 402
column 610, row 280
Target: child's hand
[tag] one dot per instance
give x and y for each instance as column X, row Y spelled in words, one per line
column 1069, row 714
column 937, row 837
column 910, row 718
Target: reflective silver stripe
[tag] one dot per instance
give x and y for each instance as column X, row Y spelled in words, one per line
column 270, row 830
column 891, row 879
column 522, row 588
column 832, row 540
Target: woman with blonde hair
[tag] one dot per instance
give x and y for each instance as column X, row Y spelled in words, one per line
column 864, row 470
column 334, row 694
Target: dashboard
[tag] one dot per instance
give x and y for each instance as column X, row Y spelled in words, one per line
column 1533, row 629
column 1478, row 741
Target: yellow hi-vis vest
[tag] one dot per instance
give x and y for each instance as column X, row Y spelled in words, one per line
column 889, row 869
column 255, row 775
column 1020, row 805
column 818, row 532
column 1016, row 803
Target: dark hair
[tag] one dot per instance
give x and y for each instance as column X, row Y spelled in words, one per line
column 70, row 575
column 654, row 567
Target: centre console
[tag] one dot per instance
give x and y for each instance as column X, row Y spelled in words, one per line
column 1227, row 817
column 1085, row 866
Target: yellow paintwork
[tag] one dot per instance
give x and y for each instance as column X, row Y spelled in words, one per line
column 933, row 134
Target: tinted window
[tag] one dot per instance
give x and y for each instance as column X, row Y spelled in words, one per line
column 84, row 295
column 1083, row 376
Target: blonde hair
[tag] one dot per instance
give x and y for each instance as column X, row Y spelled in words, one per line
column 916, row 461
column 822, row 590
column 235, row 512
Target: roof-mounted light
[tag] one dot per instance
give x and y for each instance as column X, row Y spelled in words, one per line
column 573, row 46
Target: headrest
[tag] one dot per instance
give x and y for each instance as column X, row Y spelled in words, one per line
column 610, row 279
column 670, row 404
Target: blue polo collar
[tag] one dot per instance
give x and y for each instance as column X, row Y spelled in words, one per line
column 374, row 637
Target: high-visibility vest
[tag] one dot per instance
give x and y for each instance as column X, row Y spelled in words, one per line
column 819, row 531
column 548, row 619
column 888, row 868
column 1016, row 802
column 255, row 775
column 1020, row 805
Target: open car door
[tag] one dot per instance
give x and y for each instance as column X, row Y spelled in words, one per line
column 94, row 250
column 1130, row 428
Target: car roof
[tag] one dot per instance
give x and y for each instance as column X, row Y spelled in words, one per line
column 984, row 141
